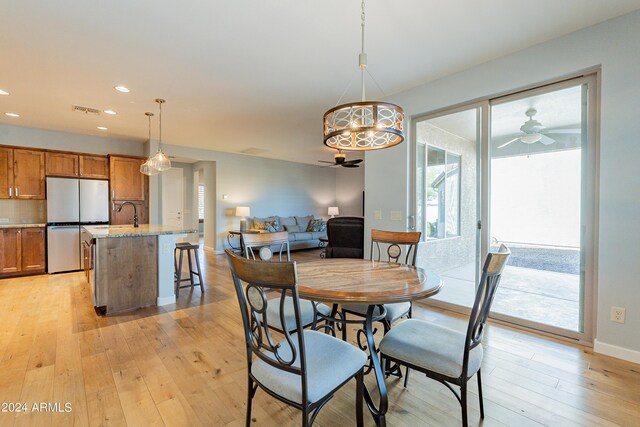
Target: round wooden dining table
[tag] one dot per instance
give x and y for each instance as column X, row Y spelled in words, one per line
column 342, row 280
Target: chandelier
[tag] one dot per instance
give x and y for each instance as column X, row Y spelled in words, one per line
column 146, row 168
column 160, row 161
column 364, row 125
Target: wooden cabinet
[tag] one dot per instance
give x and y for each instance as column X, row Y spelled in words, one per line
column 28, row 174
column 126, row 181
column 61, row 164
column 22, row 251
column 94, row 167
column 125, row 216
column 33, row 252
column 10, row 250
column 6, row 173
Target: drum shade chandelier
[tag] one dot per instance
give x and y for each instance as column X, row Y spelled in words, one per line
column 160, row 161
column 146, row 168
column 364, row 125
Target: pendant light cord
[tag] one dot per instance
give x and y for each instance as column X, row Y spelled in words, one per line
column 363, row 56
column 160, row 132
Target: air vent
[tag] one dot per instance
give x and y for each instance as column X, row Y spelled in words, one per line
column 86, row 110
column 253, row 151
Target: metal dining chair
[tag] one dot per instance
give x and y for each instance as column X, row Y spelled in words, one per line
column 307, row 367
column 447, row 355
column 262, row 244
column 396, row 241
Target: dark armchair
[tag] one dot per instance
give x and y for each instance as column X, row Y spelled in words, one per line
column 346, row 237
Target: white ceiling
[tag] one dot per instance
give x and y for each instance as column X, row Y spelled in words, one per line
column 245, row 73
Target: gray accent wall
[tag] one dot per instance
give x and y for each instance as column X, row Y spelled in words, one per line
column 612, row 45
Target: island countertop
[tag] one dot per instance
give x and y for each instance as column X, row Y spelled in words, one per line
column 106, row 231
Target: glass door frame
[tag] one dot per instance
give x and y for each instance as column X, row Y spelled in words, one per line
column 589, row 205
column 482, row 134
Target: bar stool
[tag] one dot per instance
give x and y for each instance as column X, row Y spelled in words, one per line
column 188, row 248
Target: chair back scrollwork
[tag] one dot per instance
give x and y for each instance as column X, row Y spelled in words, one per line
column 396, row 241
column 253, row 280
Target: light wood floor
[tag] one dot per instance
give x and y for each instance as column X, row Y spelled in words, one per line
column 185, row 365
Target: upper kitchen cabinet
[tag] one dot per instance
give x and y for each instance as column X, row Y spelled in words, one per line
column 28, row 174
column 62, row 164
column 6, row 173
column 94, row 167
column 126, row 181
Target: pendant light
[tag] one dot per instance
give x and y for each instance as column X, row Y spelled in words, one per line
column 160, row 161
column 146, row 168
column 364, row 125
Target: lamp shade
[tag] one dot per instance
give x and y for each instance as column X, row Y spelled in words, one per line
column 333, row 210
column 243, row 211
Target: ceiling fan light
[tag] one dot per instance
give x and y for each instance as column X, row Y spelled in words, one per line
column 531, row 138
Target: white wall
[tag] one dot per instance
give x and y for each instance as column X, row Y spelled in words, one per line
column 349, row 188
column 613, row 45
column 65, row 141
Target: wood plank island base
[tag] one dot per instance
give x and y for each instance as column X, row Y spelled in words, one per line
column 129, row 268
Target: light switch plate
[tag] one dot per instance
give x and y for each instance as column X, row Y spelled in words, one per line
column 377, row 214
column 396, row 216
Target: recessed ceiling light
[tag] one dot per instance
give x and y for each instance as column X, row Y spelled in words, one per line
column 110, row 112
column 102, row 128
column 122, row 89
column 3, row 92
column 12, row 114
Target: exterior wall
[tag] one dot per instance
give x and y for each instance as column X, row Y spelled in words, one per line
column 444, row 254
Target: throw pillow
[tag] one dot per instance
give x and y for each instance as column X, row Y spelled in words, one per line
column 271, row 226
column 292, row 228
column 261, row 223
column 303, row 221
column 317, row 225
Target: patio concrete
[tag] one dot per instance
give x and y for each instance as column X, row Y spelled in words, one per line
column 547, row 297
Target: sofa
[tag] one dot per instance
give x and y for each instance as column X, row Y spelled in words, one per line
column 346, row 237
column 297, row 226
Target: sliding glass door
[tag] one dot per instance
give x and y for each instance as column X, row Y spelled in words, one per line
column 518, row 170
column 447, row 160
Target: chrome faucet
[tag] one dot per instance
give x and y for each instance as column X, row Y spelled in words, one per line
column 118, row 208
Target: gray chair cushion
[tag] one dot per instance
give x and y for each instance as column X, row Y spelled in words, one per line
column 432, row 347
column 330, row 362
column 394, row 311
column 306, row 313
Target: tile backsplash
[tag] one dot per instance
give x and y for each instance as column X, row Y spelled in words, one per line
column 23, row 211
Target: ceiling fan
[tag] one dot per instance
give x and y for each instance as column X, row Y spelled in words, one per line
column 535, row 131
column 340, row 159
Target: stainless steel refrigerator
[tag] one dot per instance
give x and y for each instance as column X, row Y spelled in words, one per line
column 72, row 203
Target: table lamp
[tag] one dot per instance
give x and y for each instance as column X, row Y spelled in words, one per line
column 243, row 212
column 333, row 211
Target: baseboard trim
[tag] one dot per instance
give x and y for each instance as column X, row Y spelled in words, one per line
column 616, row 351
column 166, row 300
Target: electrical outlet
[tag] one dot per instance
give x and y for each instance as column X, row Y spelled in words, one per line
column 377, row 214
column 617, row 314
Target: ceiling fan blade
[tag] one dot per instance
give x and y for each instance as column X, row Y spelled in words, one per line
column 545, row 140
column 324, row 161
column 569, row 131
column 509, row 142
column 349, row 165
column 352, row 162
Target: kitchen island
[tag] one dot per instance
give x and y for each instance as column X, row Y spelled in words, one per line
column 129, row 268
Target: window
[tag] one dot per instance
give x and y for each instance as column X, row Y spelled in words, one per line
column 201, row 202
column 443, row 193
